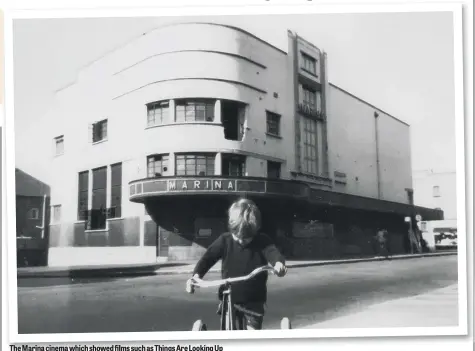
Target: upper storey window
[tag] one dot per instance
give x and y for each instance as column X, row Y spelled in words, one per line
column 98, row 131
column 308, row 63
column 157, row 113
column 194, row 110
column 309, row 96
column 195, row 164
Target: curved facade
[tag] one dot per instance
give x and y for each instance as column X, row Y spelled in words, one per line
column 155, row 139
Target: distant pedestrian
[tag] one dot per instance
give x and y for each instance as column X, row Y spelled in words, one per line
column 382, row 238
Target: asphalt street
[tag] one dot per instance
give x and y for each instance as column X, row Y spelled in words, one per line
column 159, row 303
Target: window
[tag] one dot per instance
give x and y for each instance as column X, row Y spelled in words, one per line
column 56, row 214
column 59, row 145
column 273, row 169
column 308, row 63
column 34, row 213
column 309, row 145
column 273, row 123
column 194, row 110
column 97, row 215
column 157, row 165
column 99, row 131
column 157, row 113
column 233, row 115
column 234, row 165
column 309, row 96
column 83, row 190
column 116, row 191
column 197, row 165
column 436, row 191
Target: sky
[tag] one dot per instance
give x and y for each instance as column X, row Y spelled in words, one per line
column 403, row 63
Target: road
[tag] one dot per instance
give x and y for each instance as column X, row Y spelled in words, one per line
column 159, row 303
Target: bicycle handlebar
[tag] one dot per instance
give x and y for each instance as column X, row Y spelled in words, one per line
column 215, row 283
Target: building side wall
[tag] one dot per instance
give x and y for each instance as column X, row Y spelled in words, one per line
column 354, row 153
column 395, row 159
column 352, row 145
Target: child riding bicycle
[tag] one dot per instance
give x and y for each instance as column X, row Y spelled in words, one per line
column 242, row 250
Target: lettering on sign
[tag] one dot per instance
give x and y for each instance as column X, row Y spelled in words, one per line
column 310, row 111
column 201, row 184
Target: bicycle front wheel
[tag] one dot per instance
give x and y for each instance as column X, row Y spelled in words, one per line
column 285, row 323
column 199, row 326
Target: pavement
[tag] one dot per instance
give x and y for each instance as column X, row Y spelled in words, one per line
column 181, row 267
column 437, row 308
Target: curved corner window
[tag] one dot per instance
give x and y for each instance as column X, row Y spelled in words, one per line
column 194, row 110
column 195, row 164
column 157, row 165
column 157, row 113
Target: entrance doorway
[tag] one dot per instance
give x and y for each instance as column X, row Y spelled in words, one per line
column 163, row 243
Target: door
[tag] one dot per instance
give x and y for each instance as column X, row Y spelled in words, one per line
column 163, row 242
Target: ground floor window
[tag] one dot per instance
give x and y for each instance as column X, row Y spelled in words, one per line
column 116, row 191
column 83, row 195
column 98, row 213
column 93, row 198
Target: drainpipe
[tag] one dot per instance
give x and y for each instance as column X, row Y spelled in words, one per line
column 43, row 222
column 378, row 170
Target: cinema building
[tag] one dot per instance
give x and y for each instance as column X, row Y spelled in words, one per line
column 148, row 147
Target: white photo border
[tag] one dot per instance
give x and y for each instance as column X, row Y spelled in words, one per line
column 9, row 175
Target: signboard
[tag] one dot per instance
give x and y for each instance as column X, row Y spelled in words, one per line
column 310, row 111
column 150, row 187
column 201, row 184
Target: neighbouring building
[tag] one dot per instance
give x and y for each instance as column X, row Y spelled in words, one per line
column 32, row 218
column 146, row 150
column 436, row 189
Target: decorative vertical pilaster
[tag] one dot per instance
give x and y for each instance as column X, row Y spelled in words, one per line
column 217, row 111
column 218, row 164
column 171, row 164
column 172, row 109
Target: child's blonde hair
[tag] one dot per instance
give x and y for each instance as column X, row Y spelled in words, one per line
column 244, row 218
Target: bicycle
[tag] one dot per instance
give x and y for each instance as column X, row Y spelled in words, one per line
column 227, row 321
